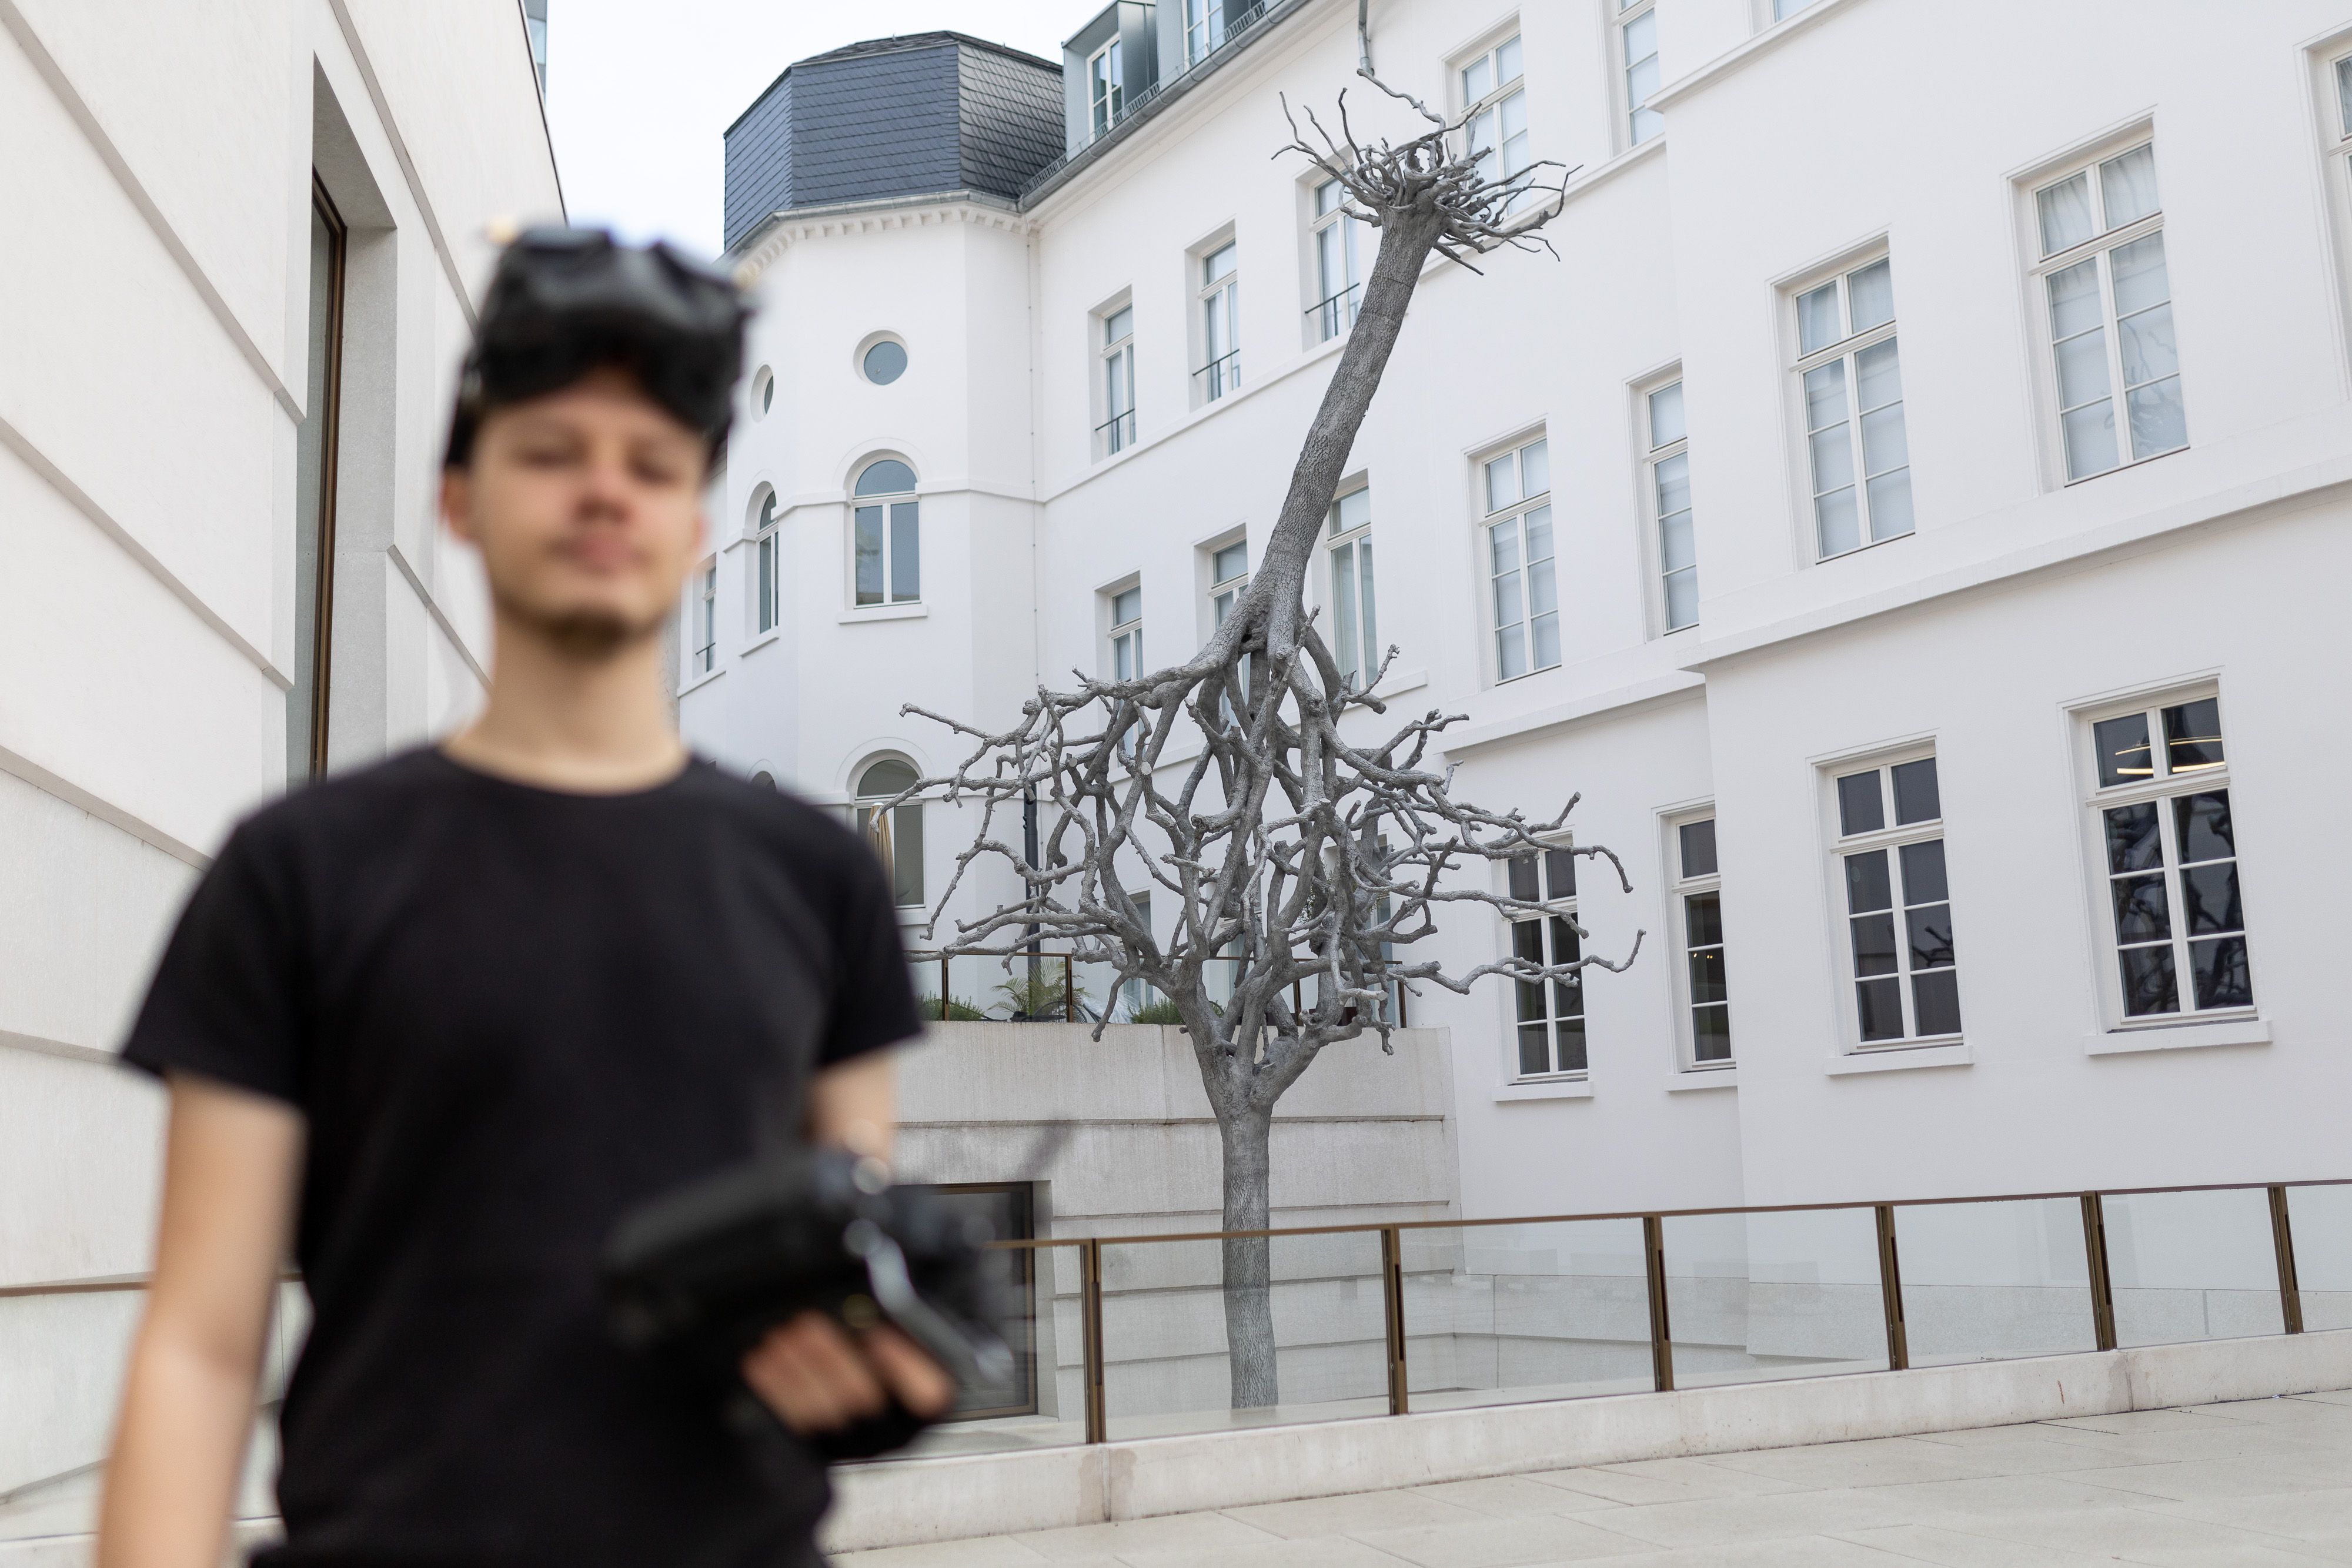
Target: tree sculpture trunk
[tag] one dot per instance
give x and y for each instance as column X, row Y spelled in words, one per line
column 1302, row 858
column 1245, row 1136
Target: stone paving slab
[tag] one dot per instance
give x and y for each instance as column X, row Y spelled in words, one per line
column 2264, row 1483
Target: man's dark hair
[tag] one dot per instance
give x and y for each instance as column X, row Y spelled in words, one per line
column 566, row 302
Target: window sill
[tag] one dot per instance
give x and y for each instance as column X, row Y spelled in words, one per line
column 701, row 681
column 886, row 612
column 1545, row 1089
column 2179, row 1037
column 1899, row 1058
column 761, row 641
column 1687, row 1080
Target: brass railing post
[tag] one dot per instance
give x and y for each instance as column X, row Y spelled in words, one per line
column 1070, row 992
column 1090, row 1336
column 1392, row 1302
column 1662, row 1345
column 1890, row 1290
column 2102, row 1293
column 2283, row 1242
column 943, row 988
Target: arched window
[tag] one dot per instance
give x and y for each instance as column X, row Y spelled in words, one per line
column 895, row 831
column 887, row 535
column 766, row 562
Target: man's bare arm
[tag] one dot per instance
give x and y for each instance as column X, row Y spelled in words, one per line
column 811, row 1372
column 231, row 1168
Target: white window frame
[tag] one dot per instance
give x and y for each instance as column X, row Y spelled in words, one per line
column 886, row 503
column 2097, row 252
column 1517, row 515
column 2330, row 61
column 1217, row 313
column 1654, row 454
column 1204, row 30
column 704, row 650
column 1354, row 630
column 1684, row 885
column 1115, row 369
column 1105, row 88
column 1123, row 642
column 1332, row 235
column 1559, row 908
column 1846, row 351
column 2160, row 787
column 1888, row 841
column 1488, row 112
column 767, row 545
column 1225, row 592
column 1640, row 122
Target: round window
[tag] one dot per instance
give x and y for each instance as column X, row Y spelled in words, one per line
column 763, row 391
column 884, row 362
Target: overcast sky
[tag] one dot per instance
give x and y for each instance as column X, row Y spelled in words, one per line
column 639, row 95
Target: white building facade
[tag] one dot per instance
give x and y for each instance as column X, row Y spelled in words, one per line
column 245, row 247
column 1905, row 511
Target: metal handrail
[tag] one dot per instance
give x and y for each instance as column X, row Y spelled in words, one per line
column 1108, row 429
column 2100, row 1284
column 1220, row 381
column 1328, row 307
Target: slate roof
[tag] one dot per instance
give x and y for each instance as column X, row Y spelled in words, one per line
column 893, row 117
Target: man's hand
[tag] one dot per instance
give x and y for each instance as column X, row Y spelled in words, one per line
column 817, row 1377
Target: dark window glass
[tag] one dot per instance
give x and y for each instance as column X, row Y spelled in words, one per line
column 2122, row 746
column 1711, row 1029
column 1930, row 930
column 2143, row 910
column 1535, row 1048
column 2208, row 897
column 1006, row 1214
column 1860, row 810
column 2192, row 736
column 906, row 553
column 1523, row 879
column 1699, row 848
column 1923, row 873
column 2219, row 971
column 1936, row 998
column 869, row 555
column 1881, row 1004
column 888, row 477
column 1571, row 1045
column 1874, row 945
column 1560, row 873
column 2133, row 843
column 2203, row 822
column 1865, row 883
column 1527, row 942
column 2147, row 981
column 1703, row 919
column 1567, row 995
column 1707, row 980
column 1917, row 799
column 884, row 362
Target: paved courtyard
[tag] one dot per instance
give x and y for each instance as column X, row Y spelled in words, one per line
column 2267, row 1481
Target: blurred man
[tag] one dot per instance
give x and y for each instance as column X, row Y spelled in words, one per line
column 438, row 1022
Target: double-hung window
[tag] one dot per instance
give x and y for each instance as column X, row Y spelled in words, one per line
column 895, row 832
column 1852, row 387
column 1898, row 907
column 2170, row 848
column 1637, row 35
column 1354, row 630
column 1204, row 30
column 2101, row 232
column 1699, row 887
column 887, row 531
column 1337, row 280
column 1516, row 488
column 1495, row 100
column 706, row 619
column 1126, row 648
column 765, row 565
column 1550, row 1013
column 1668, row 464
column 1116, row 432
column 1106, row 87
column 1220, row 336
column 1228, row 581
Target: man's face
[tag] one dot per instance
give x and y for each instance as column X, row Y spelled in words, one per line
column 587, row 505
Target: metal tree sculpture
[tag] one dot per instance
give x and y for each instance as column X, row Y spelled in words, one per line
column 1299, row 861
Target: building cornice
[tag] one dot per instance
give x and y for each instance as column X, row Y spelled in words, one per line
column 780, row 231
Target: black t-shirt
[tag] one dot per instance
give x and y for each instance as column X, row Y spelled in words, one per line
column 507, row 1014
